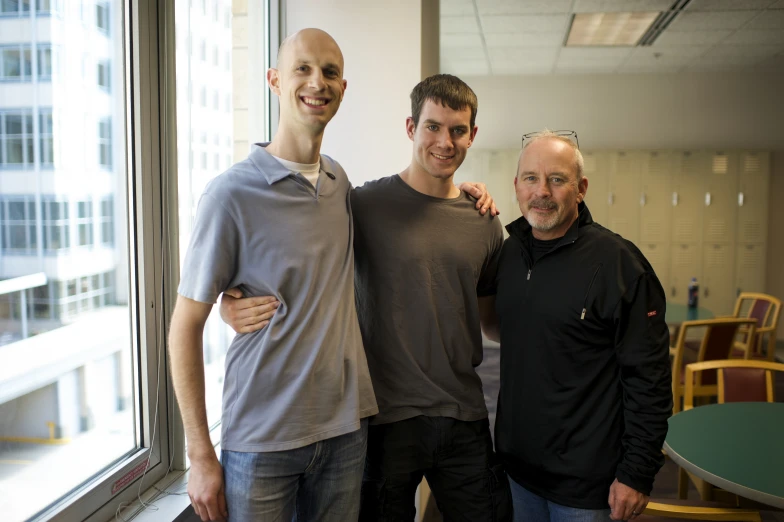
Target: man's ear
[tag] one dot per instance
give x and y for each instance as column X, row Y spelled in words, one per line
column 345, row 86
column 582, row 189
column 473, row 135
column 273, row 80
column 410, row 128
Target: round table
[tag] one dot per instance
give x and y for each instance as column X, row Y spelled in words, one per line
column 735, row 446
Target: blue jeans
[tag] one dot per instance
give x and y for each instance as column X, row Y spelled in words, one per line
column 529, row 507
column 319, row 482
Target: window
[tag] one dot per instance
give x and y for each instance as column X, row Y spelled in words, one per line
column 107, row 221
column 15, row 7
column 105, row 143
column 16, row 139
column 16, row 63
column 18, row 225
column 55, row 225
column 44, row 62
column 84, row 223
column 103, row 75
column 46, row 138
column 102, row 17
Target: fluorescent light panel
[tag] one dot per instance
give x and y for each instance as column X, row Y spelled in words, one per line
column 603, row 29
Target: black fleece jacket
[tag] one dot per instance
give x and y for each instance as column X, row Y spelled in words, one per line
column 585, row 372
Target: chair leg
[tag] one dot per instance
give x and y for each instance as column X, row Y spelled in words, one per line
column 683, row 484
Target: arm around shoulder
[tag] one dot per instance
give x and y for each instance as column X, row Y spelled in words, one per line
column 488, row 319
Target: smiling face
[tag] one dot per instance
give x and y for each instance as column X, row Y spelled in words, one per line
column 441, row 139
column 309, row 80
column 547, row 187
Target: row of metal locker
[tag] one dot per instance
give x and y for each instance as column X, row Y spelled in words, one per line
column 700, row 214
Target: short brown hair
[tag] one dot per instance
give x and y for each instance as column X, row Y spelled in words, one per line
column 445, row 89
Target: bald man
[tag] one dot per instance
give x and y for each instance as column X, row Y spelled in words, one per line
column 296, row 392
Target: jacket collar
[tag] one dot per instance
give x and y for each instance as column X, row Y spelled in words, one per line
column 272, row 170
column 520, row 228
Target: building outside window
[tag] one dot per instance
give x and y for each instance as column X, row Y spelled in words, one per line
column 105, row 143
column 102, row 17
column 18, row 225
column 45, row 138
column 16, row 139
column 107, row 221
column 104, row 75
column 16, row 63
column 84, row 222
column 44, row 62
column 55, row 225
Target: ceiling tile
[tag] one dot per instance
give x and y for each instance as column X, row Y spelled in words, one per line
column 462, row 53
column 496, row 7
column 456, row 7
column 760, row 51
column 634, row 68
column 666, row 56
column 595, row 53
column 692, row 38
column 465, row 68
column 524, row 39
column 461, row 40
column 625, row 6
column 459, row 24
column 585, row 69
column 523, row 69
column 538, row 55
column 767, row 20
column 672, row 50
column 727, row 5
column 778, row 5
column 758, row 37
column 726, row 61
column 531, row 23
column 710, row 21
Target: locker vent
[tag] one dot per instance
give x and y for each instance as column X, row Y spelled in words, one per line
column 751, row 258
column 684, row 230
column 751, row 233
column 654, row 231
column 590, row 162
column 619, row 226
column 751, row 163
column 717, row 230
column 716, row 257
column 684, row 257
column 720, row 163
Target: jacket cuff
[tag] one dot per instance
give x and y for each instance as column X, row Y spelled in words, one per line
column 639, row 483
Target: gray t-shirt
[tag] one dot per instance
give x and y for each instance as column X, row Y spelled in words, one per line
column 304, row 377
column 421, row 262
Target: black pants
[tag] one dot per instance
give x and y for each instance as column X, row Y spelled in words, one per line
column 456, row 457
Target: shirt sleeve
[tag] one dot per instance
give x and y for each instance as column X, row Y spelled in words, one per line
column 211, row 260
column 487, row 284
column 642, row 348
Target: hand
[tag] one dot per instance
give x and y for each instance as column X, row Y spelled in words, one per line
column 205, row 488
column 249, row 314
column 484, row 199
column 625, row 503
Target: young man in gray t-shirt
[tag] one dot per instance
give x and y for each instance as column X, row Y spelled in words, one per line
column 424, row 260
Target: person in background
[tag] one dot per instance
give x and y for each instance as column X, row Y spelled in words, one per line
column 585, row 390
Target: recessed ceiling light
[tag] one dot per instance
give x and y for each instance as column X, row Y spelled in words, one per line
column 609, row 28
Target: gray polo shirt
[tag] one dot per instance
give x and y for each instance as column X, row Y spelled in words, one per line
column 421, row 263
column 304, row 377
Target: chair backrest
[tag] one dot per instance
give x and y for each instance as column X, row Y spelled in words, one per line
column 766, row 309
column 739, row 380
column 717, row 343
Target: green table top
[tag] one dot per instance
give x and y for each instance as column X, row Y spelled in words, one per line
column 735, row 446
column 678, row 313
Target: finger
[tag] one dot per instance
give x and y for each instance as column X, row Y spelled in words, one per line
column 486, row 205
column 222, row 504
column 494, row 211
column 252, row 321
column 257, row 311
column 201, row 511
column 234, row 292
column 212, row 509
column 253, row 327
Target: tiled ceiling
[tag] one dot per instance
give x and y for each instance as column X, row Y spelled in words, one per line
column 512, row 37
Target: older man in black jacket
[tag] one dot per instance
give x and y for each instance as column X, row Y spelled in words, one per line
column 585, row 373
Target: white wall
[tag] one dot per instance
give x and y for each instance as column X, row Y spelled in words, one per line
column 381, row 44
column 673, row 111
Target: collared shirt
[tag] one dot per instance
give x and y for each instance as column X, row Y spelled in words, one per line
column 304, row 377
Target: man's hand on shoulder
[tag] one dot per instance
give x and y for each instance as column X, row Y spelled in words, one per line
column 206, row 489
column 249, row 314
column 484, row 199
column 625, row 503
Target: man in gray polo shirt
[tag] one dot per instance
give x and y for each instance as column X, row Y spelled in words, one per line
column 296, row 393
column 425, row 261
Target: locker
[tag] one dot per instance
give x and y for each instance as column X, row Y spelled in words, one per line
column 597, row 170
column 501, row 171
column 753, row 197
column 684, row 264
column 716, row 287
column 687, row 197
column 720, row 208
column 623, row 215
column 658, row 255
column 750, row 268
column 655, row 197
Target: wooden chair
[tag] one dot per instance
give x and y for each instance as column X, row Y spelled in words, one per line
column 766, row 309
column 738, row 381
column 716, row 343
column 654, row 510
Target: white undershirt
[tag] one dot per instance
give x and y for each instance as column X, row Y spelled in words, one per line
column 310, row 171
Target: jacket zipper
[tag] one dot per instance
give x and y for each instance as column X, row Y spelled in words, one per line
column 528, row 259
column 585, row 300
